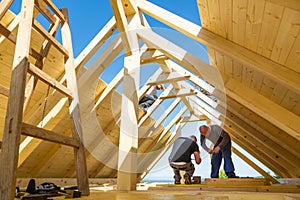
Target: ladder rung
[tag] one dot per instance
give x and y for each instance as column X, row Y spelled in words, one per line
column 55, row 10
column 51, row 39
column 11, row 37
column 8, row 34
column 43, row 76
column 33, row 131
column 42, row 8
column 4, row 90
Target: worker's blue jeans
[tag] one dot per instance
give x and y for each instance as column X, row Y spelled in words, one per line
column 216, row 161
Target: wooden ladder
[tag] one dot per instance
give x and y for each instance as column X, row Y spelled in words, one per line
column 18, row 100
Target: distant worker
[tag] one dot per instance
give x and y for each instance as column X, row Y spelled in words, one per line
column 148, row 99
column 222, row 148
column 180, row 158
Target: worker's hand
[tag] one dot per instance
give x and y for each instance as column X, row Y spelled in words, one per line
column 210, row 151
column 216, row 150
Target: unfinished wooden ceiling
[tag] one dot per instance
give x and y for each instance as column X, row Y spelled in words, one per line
column 255, row 45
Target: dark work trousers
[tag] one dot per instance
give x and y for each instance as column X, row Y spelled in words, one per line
column 216, row 161
column 188, row 168
column 146, row 101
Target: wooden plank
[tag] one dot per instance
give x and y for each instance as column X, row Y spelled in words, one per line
column 254, row 13
column 271, row 22
column 254, row 166
column 286, row 37
column 50, row 38
column 80, row 160
column 43, row 76
column 14, row 113
column 33, row 131
column 4, row 90
column 239, row 16
column 237, row 181
column 4, row 6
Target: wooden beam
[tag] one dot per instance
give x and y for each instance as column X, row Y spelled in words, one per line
column 110, row 87
column 281, row 74
column 178, row 93
column 128, row 141
column 14, row 112
column 41, row 6
column 279, row 153
column 181, row 56
column 162, row 145
column 287, row 121
column 7, row 33
column 4, row 6
column 168, row 78
column 155, row 105
column 80, row 160
column 31, row 84
column 152, row 130
column 267, row 128
column 96, row 43
column 274, row 155
column 4, row 90
column 55, row 10
column 43, row 76
column 254, row 166
column 251, row 149
column 50, row 38
column 122, row 24
column 33, row 131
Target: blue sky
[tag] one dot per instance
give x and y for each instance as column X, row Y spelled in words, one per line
column 88, row 17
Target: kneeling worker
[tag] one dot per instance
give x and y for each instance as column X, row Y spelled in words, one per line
column 180, row 158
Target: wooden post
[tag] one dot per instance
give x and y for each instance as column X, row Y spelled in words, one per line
column 80, row 160
column 14, row 113
column 127, row 160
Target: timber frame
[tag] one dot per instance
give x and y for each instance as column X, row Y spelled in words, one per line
column 243, row 88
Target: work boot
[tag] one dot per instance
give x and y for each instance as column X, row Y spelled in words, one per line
column 187, row 179
column 177, row 180
column 231, row 175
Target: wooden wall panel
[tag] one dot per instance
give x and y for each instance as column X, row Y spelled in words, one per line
column 255, row 11
column 270, row 26
column 239, row 18
column 287, row 34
